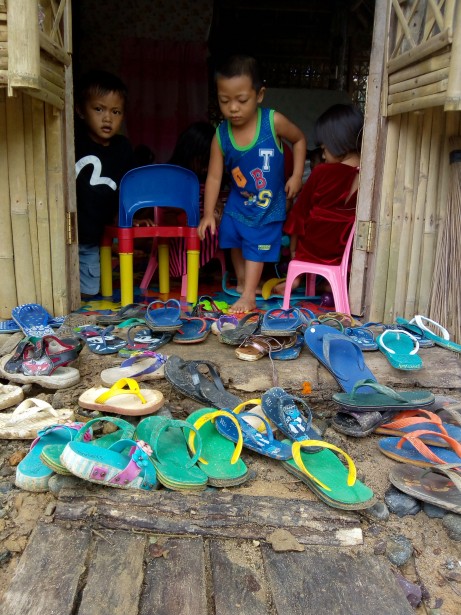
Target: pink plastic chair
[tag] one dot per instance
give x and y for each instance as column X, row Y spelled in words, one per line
column 335, row 274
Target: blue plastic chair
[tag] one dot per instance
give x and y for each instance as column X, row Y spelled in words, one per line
column 160, row 185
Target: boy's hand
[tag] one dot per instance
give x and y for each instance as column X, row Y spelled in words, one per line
column 293, row 186
column 206, row 222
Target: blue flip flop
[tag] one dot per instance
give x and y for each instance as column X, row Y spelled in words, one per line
column 165, row 318
column 342, row 357
column 193, row 329
column 281, row 322
column 411, row 449
column 363, row 337
column 400, row 348
column 32, row 474
column 293, row 352
column 263, row 443
column 104, row 342
column 33, row 319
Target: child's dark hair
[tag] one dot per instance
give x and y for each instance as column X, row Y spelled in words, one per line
column 192, row 150
column 99, row 82
column 339, row 129
column 241, row 65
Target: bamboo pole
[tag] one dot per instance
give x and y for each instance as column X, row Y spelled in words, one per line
column 3, row 33
column 41, row 196
column 421, row 68
column 24, row 273
column 24, row 48
column 51, row 48
column 396, row 216
column 421, row 80
column 419, row 93
column 47, row 96
column 53, row 127
column 430, row 228
column 51, row 88
column 414, row 268
column 52, row 71
column 30, row 190
column 407, row 218
column 382, row 256
column 429, row 47
column 8, row 295
column 453, row 99
column 424, row 102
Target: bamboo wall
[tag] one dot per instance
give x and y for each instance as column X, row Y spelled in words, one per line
column 38, row 261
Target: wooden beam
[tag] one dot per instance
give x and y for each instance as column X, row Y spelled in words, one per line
column 433, row 45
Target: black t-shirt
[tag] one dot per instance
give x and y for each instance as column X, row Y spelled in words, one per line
column 99, row 170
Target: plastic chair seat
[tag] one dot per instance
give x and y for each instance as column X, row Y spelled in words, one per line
column 335, row 274
column 161, row 185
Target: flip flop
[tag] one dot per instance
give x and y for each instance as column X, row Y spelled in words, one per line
column 165, row 318
column 375, row 396
column 226, row 321
column 31, row 473
column 10, row 395
column 141, row 367
column 206, row 308
column 132, row 310
column 403, row 323
column 341, row 356
column 363, row 337
column 124, row 397
column 193, row 330
column 30, row 417
column 324, row 473
column 112, row 467
column 190, row 380
column 104, row 342
column 33, row 319
column 411, row 449
column 290, row 414
column 59, row 378
column 220, row 459
column 10, row 326
column 400, row 348
column 51, row 453
column 248, row 325
column 281, row 322
column 253, row 439
column 411, row 420
column 360, row 424
column 142, row 338
column 440, row 485
column 441, row 340
column 293, row 352
column 170, row 455
column 255, row 347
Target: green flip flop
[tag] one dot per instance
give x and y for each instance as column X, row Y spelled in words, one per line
column 384, row 398
column 51, row 454
column 175, row 468
column 220, row 459
column 324, row 473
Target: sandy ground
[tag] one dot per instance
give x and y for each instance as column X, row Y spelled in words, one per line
column 434, row 552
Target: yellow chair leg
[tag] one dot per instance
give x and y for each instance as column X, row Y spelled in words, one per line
column 193, row 263
column 163, row 268
column 126, row 278
column 106, row 271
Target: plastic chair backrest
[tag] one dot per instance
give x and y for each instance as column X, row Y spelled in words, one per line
column 159, row 185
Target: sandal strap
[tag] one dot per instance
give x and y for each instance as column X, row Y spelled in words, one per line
column 175, row 424
column 211, row 416
column 139, row 460
column 380, row 388
column 127, row 428
column 412, row 417
column 124, row 386
column 414, row 438
column 296, row 450
column 72, row 428
column 420, row 320
column 159, row 361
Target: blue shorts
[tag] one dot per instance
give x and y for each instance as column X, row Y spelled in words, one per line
column 90, row 268
column 260, row 244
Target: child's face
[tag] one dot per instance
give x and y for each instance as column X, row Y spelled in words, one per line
column 238, row 100
column 103, row 114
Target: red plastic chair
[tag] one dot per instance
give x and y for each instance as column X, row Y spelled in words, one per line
column 335, row 274
column 160, row 185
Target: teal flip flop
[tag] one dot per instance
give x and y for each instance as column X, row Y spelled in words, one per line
column 441, row 340
column 31, row 473
column 220, row 459
column 170, row 455
column 400, row 348
column 51, row 453
column 381, row 397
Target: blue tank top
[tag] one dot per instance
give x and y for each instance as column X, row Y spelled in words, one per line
column 257, row 193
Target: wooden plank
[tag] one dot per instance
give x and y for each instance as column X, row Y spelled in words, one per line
column 219, row 514
column 116, row 568
column 429, row 47
column 330, row 582
column 175, row 582
column 239, row 584
column 54, row 560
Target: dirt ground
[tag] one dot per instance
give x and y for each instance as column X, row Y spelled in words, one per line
column 436, row 562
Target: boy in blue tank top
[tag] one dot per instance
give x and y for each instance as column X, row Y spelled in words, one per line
column 248, row 143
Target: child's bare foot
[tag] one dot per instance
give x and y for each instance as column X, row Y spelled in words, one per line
column 244, row 304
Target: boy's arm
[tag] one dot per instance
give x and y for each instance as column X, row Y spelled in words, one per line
column 285, row 129
column 212, row 189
